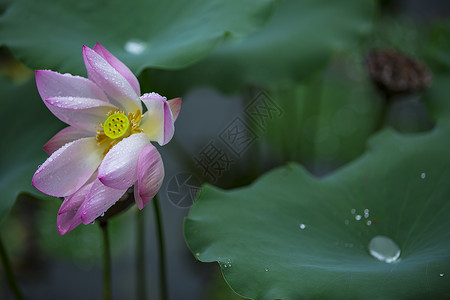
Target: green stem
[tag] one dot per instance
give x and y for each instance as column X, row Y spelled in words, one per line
column 106, row 261
column 162, row 254
column 141, row 280
column 9, row 272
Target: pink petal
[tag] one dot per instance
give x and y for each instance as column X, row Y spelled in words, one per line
column 53, row 84
column 74, row 201
column 68, row 168
column 83, row 113
column 175, row 105
column 67, row 135
column 69, row 214
column 119, row 90
column 68, row 221
column 119, row 167
column 99, row 199
column 158, row 122
column 150, row 175
column 119, row 66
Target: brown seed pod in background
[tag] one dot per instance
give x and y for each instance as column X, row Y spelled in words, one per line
column 396, row 73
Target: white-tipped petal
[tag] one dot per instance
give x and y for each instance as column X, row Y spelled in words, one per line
column 119, row 66
column 53, row 84
column 150, row 175
column 175, row 106
column 69, row 214
column 119, row 167
column 67, row 135
column 82, row 113
column 68, row 168
column 99, row 199
column 119, row 90
column 158, row 122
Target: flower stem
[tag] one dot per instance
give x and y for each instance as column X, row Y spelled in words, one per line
column 9, row 272
column 106, row 261
column 162, row 256
column 141, row 280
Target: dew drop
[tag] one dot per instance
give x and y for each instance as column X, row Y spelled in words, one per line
column 302, row 226
column 442, row 274
column 358, row 217
column 266, row 269
column 135, row 46
column 384, row 249
column 369, row 223
column 423, row 175
column 353, row 211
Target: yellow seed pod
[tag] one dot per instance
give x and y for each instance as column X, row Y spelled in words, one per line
column 116, row 125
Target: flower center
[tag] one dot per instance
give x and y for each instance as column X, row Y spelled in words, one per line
column 116, row 125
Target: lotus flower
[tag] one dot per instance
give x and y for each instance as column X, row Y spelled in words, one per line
column 106, row 149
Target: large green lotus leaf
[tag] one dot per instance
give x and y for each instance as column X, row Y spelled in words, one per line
column 437, row 46
column 438, row 105
column 332, row 117
column 26, row 126
column 151, row 33
column 293, row 236
column 297, row 42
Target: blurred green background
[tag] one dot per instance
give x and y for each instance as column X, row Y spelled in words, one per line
column 308, row 58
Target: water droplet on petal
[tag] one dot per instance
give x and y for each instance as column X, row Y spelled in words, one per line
column 384, row 249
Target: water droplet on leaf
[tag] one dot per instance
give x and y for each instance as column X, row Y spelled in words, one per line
column 384, row 249
column 135, row 46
